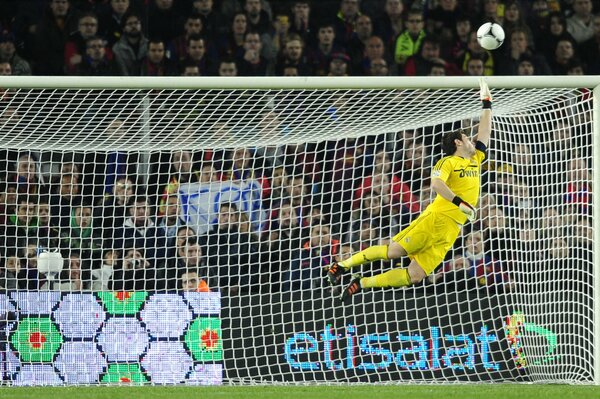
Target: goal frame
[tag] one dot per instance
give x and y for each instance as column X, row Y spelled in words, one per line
column 508, row 82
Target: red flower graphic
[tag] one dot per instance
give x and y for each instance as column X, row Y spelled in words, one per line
column 36, row 340
column 210, row 338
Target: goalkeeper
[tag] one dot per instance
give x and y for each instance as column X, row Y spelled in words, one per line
column 456, row 180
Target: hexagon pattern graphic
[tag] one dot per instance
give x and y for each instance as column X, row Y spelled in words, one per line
column 204, row 303
column 37, row 339
column 166, row 315
column 203, row 338
column 167, row 362
column 36, row 302
column 37, row 374
column 123, row 302
column 124, row 374
column 84, row 338
column 79, row 315
column 80, row 362
column 206, row 374
column 123, row 339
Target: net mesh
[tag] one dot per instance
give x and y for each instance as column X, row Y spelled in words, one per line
column 195, row 228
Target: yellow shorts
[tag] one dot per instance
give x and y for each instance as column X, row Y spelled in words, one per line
column 428, row 239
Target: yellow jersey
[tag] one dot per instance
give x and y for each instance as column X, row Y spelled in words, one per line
column 463, row 177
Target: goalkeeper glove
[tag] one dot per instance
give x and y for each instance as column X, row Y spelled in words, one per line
column 485, row 94
column 465, row 208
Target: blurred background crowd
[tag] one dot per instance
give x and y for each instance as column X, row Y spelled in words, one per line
column 117, row 217
column 295, row 38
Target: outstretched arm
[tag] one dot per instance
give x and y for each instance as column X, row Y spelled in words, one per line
column 485, row 121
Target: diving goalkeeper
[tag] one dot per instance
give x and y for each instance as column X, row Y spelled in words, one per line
column 456, row 180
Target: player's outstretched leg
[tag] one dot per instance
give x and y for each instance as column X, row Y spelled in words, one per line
column 353, row 288
column 371, row 254
column 335, row 272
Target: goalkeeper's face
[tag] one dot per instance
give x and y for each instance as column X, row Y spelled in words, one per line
column 467, row 147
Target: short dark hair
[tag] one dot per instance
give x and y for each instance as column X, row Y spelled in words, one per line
column 448, row 144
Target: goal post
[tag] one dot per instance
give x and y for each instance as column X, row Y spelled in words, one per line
column 197, row 216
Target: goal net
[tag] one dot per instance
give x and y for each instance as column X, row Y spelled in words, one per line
column 154, row 234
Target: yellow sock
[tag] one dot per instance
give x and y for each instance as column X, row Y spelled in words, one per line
column 371, row 254
column 391, row 278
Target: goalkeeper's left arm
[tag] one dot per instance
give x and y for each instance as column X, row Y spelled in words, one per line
column 442, row 189
column 485, row 121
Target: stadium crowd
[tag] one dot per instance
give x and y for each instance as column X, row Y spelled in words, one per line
column 120, row 227
column 295, row 38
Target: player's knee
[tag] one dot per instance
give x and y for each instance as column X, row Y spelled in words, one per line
column 395, row 251
column 416, row 273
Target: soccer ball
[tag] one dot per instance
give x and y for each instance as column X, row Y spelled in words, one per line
column 490, row 35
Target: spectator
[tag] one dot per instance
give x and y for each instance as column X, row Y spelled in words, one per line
column 420, row 64
column 580, row 24
column 136, row 273
column 357, row 44
column 280, row 33
column 391, row 24
column 525, row 66
column 474, row 49
column 306, row 271
column 140, row 231
column 252, row 63
column 5, row 68
column 293, row 56
column 178, row 48
column 557, row 30
column 196, row 55
column 113, row 208
column 191, row 282
column 492, row 11
column 20, row 226
column 97, row 61
column 258, row 19
column 71, row 279
column 518, row 47
column 181, row 170
column 190, row 70
column 156, row 62
column 8, row 54
column 384, row 182
column 441, row 22
column 82, row 236
column 409, row 41
column 132, row 47
column 75, row 48
column 373, row 51
column 379, row 67
column 51, row 35
column 514, row 19
column 456, row 51
column 590, row 49
column 227, row 67
column 189, row 257
column 564, row 54
column 302, row 23
column 339, row 65
column 475, row 67
column 103, row 276
column 8, row 202
column 27, row 176
column 212, row 20
column 111, row 22
column 13, row 275
column 164, row 21
column 345, row 23
column 232, row 44
column 319, row 56
column 66, row 195
column 170, row 222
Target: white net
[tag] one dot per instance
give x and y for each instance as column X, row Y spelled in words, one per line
column 195, row 228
